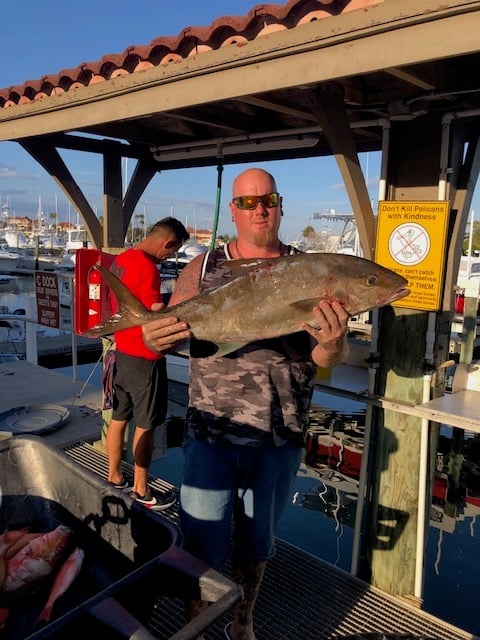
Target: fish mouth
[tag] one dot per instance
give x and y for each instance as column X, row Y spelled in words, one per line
column 400, row 293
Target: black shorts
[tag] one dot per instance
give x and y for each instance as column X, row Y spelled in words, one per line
column 140, row 390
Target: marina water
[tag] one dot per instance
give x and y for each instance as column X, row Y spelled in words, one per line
column 321, row 514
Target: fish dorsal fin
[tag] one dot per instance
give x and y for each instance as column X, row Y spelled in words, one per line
column 239, row 267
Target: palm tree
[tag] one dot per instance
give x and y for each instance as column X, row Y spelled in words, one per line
column 140, row 218
column 53, row 216
column 309, row 234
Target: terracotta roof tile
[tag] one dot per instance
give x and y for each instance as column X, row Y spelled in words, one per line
column 224, row 31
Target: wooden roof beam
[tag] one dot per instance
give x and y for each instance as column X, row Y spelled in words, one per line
column 270, row 105
column 82, row 142
column 141, row 177
column 328, row 105
column 49, row 158
column 409, row 76
column 215, row 117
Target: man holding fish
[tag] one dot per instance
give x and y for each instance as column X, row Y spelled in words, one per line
column 248, row 410
column 260, row 317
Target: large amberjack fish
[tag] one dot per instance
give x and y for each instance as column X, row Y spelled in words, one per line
column 35, row 561
column 265, row 298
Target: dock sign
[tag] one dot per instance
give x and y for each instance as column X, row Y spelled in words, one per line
column 48, row 299
column 411, row 240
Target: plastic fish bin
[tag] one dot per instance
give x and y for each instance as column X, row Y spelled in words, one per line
column 135, row 576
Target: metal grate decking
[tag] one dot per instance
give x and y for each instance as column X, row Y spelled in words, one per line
column 302, row 597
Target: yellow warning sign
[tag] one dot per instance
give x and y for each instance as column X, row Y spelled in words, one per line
column 411, row 240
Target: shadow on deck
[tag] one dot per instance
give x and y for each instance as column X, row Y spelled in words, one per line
column 302, row 597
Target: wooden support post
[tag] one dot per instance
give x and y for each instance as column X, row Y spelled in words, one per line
column 113, row 232
column 392, row 553
column 392, row 529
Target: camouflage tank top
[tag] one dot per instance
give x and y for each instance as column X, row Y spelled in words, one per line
column 258, row 395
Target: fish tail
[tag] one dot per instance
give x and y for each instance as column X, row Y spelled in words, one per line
column 45, row 614
column 20, row 543
column 13, row 535
column 125, row 298
column 131, row 311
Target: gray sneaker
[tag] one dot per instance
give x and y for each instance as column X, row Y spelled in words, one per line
column 123, row 485
column 155, row 501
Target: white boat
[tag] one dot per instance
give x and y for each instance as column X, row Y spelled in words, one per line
column 65, row 289
column 184, row 255
column 77, row 238
column 16, row 239
column 190, row 250
column 338, row 234
column 11, row 330
column 7, row 282
column 49, row 242
column 469, row 267
column 8, row 260
column 23, row 260
column 66, row 262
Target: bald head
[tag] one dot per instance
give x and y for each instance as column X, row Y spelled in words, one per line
column 253, row 181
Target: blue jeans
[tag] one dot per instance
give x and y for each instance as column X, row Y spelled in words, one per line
column 224, row 482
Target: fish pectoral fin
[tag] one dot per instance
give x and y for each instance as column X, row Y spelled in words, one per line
column 229, row 347
column 206, row 349
column 304, row 306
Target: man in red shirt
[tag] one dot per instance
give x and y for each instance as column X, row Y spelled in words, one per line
column 140, row 385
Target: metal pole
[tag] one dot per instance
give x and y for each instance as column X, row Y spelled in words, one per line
column 31, row 350
column 74, row 335
column 364, row 481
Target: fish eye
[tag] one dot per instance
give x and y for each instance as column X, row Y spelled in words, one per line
column 371, row 281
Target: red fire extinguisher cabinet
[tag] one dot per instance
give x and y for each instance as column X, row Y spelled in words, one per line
column 92, row 295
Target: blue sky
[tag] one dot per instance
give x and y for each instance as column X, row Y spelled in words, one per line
column 56, row 35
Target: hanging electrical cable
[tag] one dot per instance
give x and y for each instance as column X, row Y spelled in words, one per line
column 217, row 203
